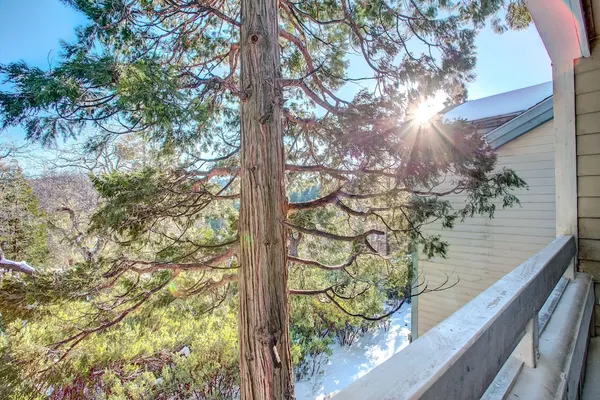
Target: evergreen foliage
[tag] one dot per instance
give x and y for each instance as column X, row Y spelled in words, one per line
column 22, row 226
column 153, row 313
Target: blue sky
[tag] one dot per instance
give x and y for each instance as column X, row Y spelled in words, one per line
column 30, row 30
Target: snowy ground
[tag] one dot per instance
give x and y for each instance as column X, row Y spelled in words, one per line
column 348, row 364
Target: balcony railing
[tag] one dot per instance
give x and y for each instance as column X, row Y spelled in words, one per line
column 462, row 356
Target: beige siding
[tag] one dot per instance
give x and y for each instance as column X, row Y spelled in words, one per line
column 587, row 106
column 483, row 250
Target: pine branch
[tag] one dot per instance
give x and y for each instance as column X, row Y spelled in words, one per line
column 78, row 338
column 209, row 264
column 327, row 235
column 213, row 284
column 331, row 295
column 304, row 123
column 363, row 316
column 337, row 171
column 205, row 176
column 317, row 264
column 308, row 292
column 334, row 199
column 311, row 67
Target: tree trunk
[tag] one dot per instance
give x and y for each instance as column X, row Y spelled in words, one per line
column 265, row 360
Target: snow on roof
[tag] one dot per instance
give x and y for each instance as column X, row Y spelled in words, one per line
column 507, row 103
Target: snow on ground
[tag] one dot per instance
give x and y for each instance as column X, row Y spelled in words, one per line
column 347, row 364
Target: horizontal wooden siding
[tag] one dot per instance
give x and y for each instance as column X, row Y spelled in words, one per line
column 587, row 107
column 483, row 250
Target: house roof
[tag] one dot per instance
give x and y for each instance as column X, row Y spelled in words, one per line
column 506, row 116
column 504, row 104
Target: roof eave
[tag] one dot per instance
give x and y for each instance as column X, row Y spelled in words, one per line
column 561, row 24
column 518, row 126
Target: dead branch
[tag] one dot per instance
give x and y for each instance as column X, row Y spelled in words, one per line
column 17, row 266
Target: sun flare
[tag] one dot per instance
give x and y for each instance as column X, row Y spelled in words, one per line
column 427, row 109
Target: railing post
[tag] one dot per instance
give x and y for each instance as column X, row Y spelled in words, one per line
column 565, row 152
column 527, row 349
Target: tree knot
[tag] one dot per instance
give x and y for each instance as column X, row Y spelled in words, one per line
column 265, row 118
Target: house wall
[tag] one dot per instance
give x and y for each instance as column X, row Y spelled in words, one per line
column 587, row 110
column 483, row 250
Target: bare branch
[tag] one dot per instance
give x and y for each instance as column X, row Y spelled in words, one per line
column 18, row 266
column 205, row 176
column 317, row 264
column 209, row 264
column 333, row 236
column 309, row 292
column 337, row 171
column 363, row 316
column 213, row 284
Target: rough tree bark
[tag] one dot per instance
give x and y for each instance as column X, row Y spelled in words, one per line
column 265, row 359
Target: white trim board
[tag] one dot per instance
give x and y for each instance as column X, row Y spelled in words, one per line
column 525, row 122
column 561, row 26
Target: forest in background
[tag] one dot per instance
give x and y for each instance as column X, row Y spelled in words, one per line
column 189, row 350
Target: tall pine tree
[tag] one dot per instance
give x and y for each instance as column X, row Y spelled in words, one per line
column 23, row 233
